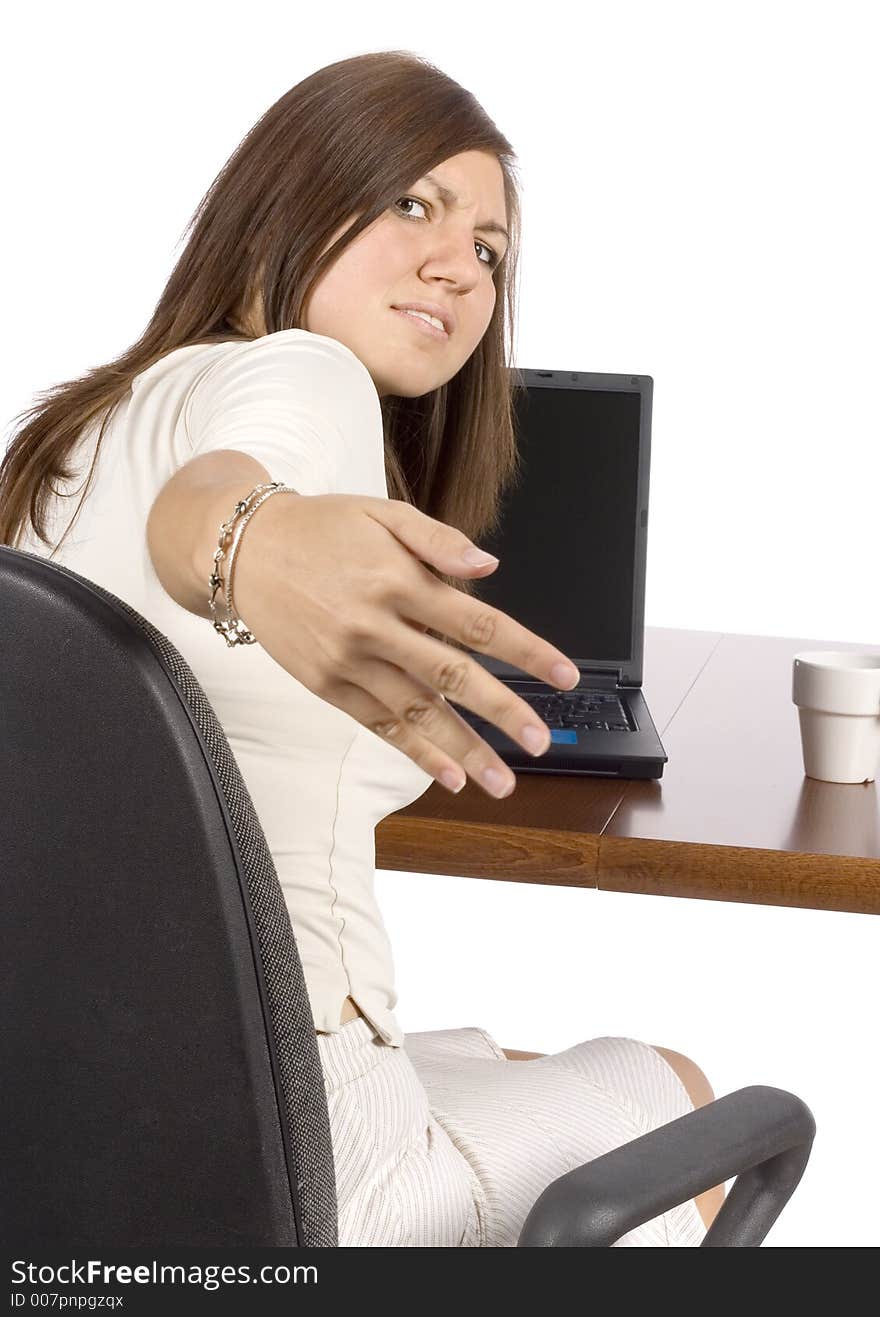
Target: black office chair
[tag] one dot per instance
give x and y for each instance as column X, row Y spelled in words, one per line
column 160, row 1073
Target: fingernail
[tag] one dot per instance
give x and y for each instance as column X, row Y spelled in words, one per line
column 495, row 780
column 563, row 674
column 536, row 739
column 476, row 557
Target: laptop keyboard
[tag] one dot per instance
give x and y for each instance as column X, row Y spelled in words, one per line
column 597, row 711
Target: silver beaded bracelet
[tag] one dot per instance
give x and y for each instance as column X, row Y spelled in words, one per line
column 231, row 627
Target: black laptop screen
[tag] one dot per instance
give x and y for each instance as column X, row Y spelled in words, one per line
column 568, row 529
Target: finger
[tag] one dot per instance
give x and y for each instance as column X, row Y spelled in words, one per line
column 458, row 676
column 419, row 707
column 378, row 718
column 485, row 629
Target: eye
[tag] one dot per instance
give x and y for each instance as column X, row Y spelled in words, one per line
column 413, row 199
column 494, row 259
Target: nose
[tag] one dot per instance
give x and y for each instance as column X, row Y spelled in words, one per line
column 455, row 259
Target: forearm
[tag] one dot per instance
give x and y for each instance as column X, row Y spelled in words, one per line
column 183, row 526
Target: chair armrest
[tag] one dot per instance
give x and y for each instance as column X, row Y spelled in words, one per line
column 761, row 1135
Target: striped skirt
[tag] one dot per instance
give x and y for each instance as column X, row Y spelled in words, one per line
column 445, row 1143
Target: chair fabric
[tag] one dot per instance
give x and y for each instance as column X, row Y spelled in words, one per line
column 50, row 610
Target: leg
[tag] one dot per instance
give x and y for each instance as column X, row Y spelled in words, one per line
column 699, row 1092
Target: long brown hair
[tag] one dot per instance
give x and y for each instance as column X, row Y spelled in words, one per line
column 347, row 140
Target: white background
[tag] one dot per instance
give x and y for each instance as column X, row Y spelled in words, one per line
column 700, row 205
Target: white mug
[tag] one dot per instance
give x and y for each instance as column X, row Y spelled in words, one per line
column 838, row 697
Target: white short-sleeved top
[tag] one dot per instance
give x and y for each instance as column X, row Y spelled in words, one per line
column 305, row 406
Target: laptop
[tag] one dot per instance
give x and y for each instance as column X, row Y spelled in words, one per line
column 572, row 544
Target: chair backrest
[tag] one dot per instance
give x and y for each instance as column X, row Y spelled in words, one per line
column 161, row 1082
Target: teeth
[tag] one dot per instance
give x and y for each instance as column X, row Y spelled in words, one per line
column 423, row 315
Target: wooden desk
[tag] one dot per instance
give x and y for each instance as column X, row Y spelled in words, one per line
column 734, row 818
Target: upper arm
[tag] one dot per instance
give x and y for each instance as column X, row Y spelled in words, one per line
column 221, row 466
column 300, row 405
column 217, row 467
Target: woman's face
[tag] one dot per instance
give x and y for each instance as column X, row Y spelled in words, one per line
column 421, row 250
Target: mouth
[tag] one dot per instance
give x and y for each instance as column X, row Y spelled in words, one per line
column 422, row 325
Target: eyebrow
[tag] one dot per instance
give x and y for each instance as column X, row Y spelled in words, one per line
column 450, row 198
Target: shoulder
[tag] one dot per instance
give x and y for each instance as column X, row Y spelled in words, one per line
column 294, row 350
column 291, row 369
column 292, row 356
column 304, row 404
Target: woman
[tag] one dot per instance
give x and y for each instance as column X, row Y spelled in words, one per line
column 286, row 347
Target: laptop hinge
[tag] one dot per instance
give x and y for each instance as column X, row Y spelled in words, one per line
column 599, row 678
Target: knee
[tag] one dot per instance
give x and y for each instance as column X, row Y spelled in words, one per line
column 700, row 1092
column 698, row 1087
